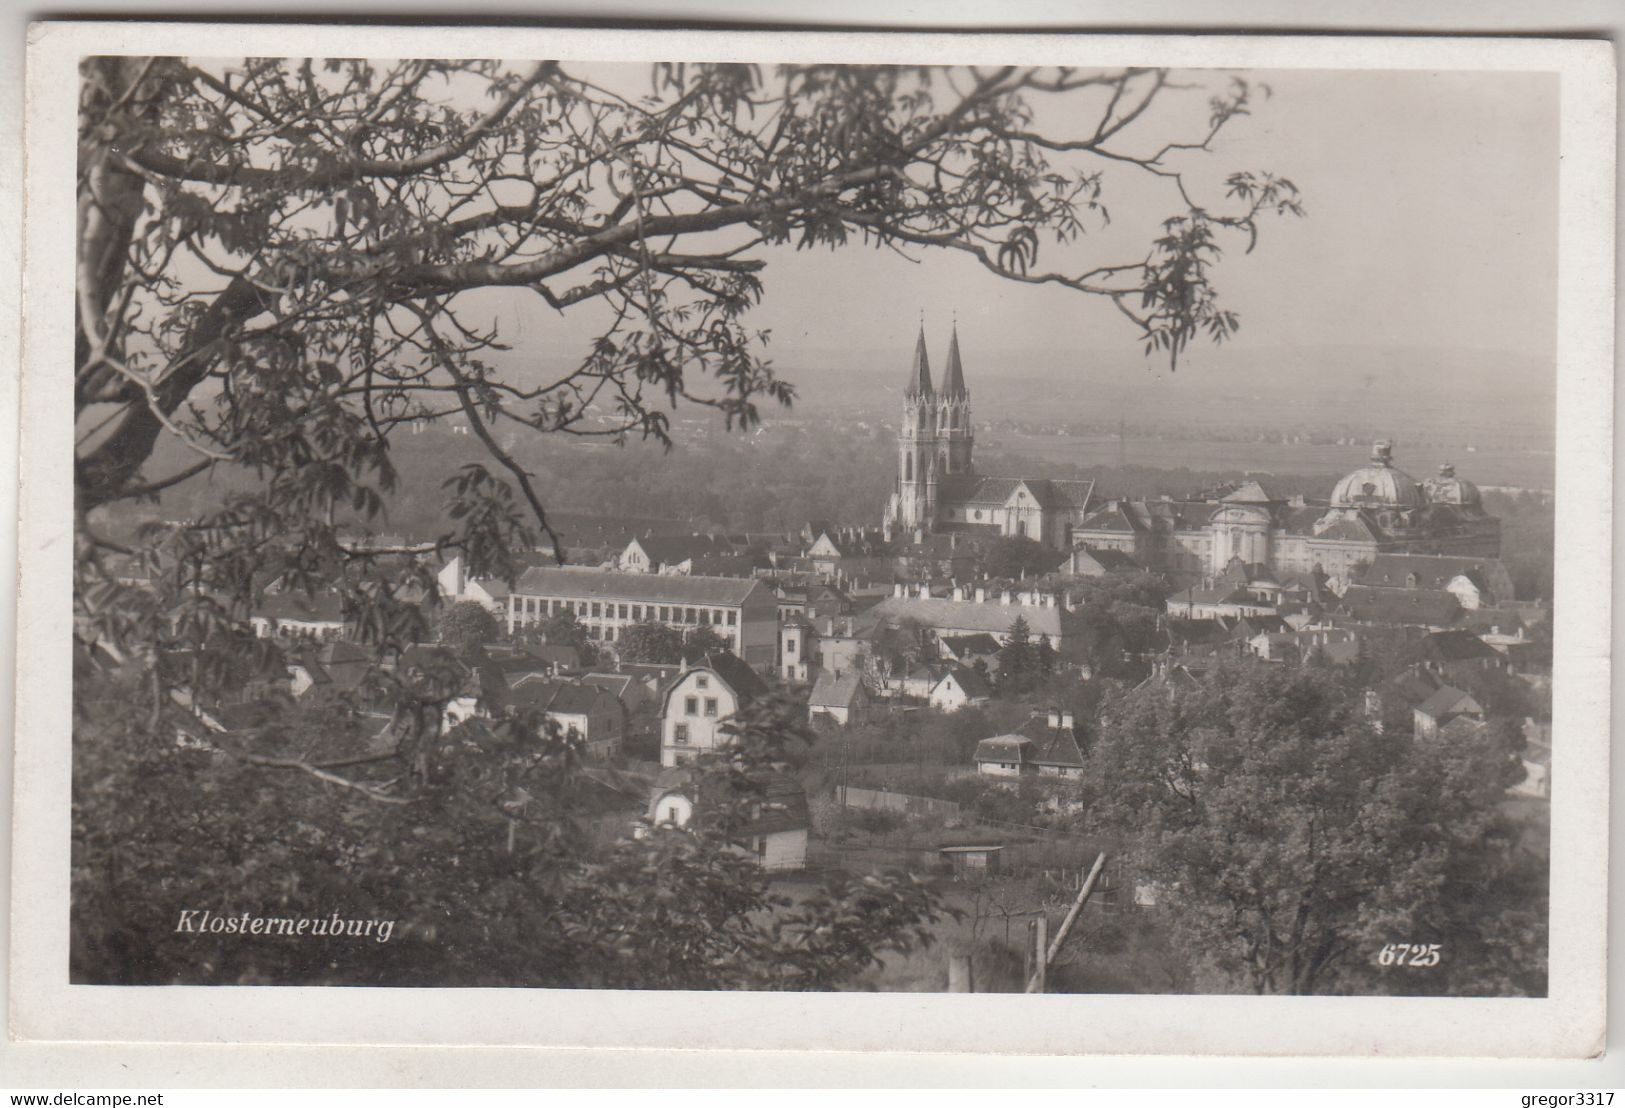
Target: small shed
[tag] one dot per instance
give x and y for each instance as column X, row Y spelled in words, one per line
column 972, row 861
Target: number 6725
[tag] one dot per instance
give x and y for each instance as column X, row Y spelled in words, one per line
column 1414, row 955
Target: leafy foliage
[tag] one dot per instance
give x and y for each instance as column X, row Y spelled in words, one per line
column 466, row 625
column 484, row 856
column 280, row 266
column 1290, row 840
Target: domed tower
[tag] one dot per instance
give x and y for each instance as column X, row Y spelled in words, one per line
column 956, row 438
column 917, row 446
column 1447, row 488
column 1387, row 495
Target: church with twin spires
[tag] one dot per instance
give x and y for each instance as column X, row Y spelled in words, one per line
column 938, row 489
column 1375, row 509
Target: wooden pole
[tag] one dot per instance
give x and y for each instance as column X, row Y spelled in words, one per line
column 961, row 974
column 1040, row 934
column 1077, row 906
column 1046, row 954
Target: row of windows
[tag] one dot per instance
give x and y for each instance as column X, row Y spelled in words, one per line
column 637, row 613
column 691, row 706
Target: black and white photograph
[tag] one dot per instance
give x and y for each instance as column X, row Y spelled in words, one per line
column 765, row 521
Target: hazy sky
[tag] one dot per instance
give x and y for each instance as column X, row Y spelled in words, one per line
column 1432, row 222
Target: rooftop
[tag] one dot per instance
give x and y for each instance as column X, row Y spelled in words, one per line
column 598, row 584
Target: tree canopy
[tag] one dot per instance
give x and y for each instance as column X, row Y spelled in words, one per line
column 1291, row 841
column 282, row 265
column 467, row 624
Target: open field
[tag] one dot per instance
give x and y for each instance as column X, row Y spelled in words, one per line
column 1516, row 466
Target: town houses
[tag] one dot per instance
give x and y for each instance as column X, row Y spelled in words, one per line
column 917, row 625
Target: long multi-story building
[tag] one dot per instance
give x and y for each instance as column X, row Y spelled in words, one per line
column 743, row 611
column 1376, row 510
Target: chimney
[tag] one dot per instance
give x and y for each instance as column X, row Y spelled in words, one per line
column 1066, row 720
column 1054, row 718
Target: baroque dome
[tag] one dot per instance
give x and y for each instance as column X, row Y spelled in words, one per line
column 1447, row 488
column 1378, row 485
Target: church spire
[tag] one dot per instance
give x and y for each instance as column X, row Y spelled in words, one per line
column 953, row 378
column 919, row 374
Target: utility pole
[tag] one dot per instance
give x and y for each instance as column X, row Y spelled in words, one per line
column 1046, row 954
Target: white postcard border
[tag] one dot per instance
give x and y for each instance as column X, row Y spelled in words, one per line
column 1569, row 1022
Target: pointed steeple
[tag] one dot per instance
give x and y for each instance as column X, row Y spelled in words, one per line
column 953, row 379
column 919, row 374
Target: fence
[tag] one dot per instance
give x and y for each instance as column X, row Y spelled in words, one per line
column 851, row 796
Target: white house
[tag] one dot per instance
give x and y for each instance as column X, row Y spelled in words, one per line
column 1004, row 756
column 455, row 585
column 798, row 648
column 580, row 710
column 960, row 687
column 697, row 705
column 774, row 830
column 842, row 698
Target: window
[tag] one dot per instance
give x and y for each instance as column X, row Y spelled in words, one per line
column 691, row 706
column 671, row 814
column 711, row 706
column 679, row 734
column 790, row 646
column 665, row 613
column 733, row 617
column 705, row 617
column 597, row 609
column 620, row 611
column 978, row 513
column 703, row 681
column 689, row 616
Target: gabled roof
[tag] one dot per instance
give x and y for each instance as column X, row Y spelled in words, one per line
column 1434, row 571
column 1054, row 746
column 676, row 549
column 1248, row 492
column 1109, row 559
column 831, row 690
column 741, row 680
column 1449, row 702
column 563, row 697
column 779, row 803
column 1411, row 687
column 962, row 646
column 970, row 682
column 1456, row 646
column 618, row 685
column 1419, row 607
column 661, row 588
